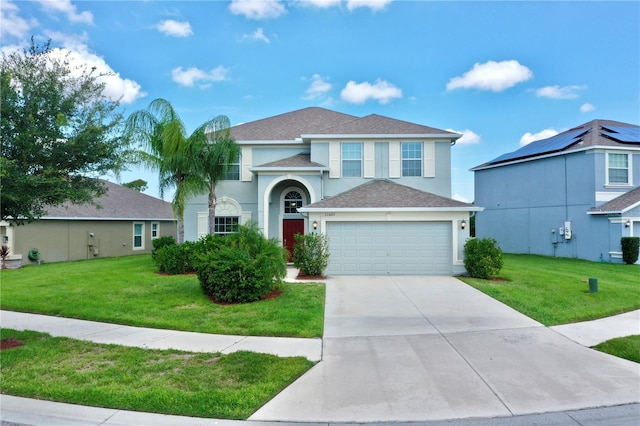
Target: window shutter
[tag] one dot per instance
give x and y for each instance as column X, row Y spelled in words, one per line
column 334, row 159
column 245, row 161
column 394, row 159
column 369, row 159
column 429, row 159
column 203, row 224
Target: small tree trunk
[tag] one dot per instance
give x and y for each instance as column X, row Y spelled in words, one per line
column 180, row 231
column 212, row 209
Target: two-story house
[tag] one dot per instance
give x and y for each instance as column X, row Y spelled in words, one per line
column 379, row 188
column 572, row 195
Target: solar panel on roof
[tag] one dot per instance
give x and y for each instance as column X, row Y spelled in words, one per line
column 544, row 146
column 622, row 133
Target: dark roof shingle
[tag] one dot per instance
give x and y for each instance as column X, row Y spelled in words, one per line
column 621, row 203
column 117, row 203
column 382, row 193
column 297, row 161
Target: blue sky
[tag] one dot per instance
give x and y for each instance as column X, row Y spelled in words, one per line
column 502, row 73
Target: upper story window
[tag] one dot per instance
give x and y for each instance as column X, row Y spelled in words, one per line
column 292, row 202
column 351, row 159
column 411, row 158
column 233, row 170
column 618, row 169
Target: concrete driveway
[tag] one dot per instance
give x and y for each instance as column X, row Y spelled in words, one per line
column 433, row 348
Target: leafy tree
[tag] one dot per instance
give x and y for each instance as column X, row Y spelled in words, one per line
column 184, row 162
column 59, row 132
column 137, row 185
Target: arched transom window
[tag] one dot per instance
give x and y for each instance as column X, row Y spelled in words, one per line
column 292, row 202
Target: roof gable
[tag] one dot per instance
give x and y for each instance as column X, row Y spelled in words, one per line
column 117, row 203
column 299, row 161
column 382, row 193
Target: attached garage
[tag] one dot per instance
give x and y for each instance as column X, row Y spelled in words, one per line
column 389, row 248
column 384, row 228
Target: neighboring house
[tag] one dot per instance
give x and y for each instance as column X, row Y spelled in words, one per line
column 121, row 222
column 572, row 195
column 379, row 188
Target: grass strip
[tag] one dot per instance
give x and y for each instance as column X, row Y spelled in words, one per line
column 129, row 291
column 556, row 290
column 623, row 347
column 158, row 381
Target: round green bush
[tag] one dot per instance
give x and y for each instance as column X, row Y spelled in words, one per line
column 311, row 254
column 175, row 259
column 244, row 267
column 482, row 257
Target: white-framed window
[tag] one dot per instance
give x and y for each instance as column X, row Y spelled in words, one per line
column 138, row 235
column 155, row 230
column 292, row 202
column 351, row 159
column 411, row 158
column 618, row 168
column 224, row 225
column 233, row 170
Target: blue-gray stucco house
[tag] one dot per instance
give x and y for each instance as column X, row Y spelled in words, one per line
column 572, row 195
column 379, row 188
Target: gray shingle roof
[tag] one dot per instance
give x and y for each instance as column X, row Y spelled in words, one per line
column 290, row 125
column 321, row 121
column 118, row 203
column 620, row 204
column 297, row 161
column 380, row 125
column 382, row 193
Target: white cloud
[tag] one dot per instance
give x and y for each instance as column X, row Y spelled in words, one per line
column 69, row 9
column 77, row 53
column 13, row 24
column 587, row 107
column 374, row 5
column 257, row 35
column 527, row 138
column 557, row 92
column 469, row 137
column 189, row 77
column 462, row 198
column 494, row 76
column 318, row 88
column 322, row 4
column 257, row 9
column 359, row 93
column 175, row 28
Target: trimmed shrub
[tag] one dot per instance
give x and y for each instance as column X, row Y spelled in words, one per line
column 176, row 259
column 160, row 242
column 311, row 254
column 630, row 249
column 241, row 267
column 482, row 257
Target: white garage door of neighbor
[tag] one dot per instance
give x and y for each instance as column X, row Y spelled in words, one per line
column 389, row 248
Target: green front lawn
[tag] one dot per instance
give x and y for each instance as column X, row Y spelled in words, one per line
column 158, row 381
column 623, row 347
column 556, row 290
column 128, row 290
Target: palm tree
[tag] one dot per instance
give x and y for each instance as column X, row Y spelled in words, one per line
column 178, row 158
column 216, row 157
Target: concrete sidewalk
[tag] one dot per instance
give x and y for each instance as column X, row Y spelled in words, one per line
column 396, row 349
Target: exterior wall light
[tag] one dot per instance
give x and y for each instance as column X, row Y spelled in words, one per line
column 315, row 225
column 628, row 224
column 463, row 224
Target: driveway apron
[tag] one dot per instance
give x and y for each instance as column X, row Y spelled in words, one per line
column 433, row 348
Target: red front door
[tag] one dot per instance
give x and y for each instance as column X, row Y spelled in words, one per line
column 291, row 227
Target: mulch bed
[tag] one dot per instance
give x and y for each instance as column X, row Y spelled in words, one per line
column 310, row 277
column 10, row 343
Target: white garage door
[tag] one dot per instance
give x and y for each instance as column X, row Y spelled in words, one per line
column 393, row 248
